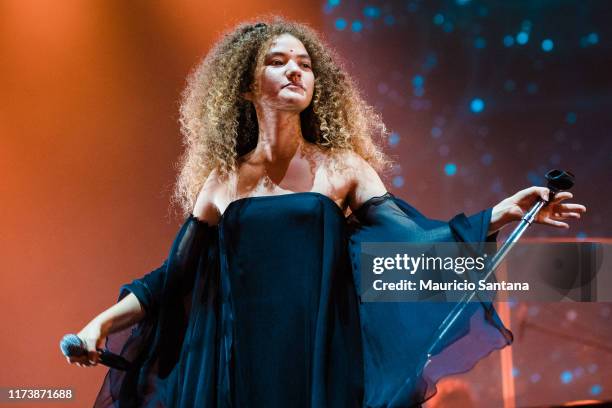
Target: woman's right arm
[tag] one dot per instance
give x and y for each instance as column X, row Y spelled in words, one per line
column 125, row 313
column 121, row 315
column 143, row 294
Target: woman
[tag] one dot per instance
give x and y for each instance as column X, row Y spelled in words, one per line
column 258, row 301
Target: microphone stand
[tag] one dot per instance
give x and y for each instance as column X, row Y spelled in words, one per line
column 558, row 180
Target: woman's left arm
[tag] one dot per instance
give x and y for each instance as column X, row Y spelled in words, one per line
column 367, row 184
column 516, row 206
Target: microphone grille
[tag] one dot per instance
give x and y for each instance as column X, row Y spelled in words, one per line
column 72, row 346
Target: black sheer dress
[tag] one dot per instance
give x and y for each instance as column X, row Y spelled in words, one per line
column 262, row 310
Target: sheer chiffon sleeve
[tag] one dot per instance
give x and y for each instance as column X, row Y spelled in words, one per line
column 153, row 344
column 147, row 289
column 397, row 335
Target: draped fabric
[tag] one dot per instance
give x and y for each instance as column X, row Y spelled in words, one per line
column 263, row 309
column 397, row 335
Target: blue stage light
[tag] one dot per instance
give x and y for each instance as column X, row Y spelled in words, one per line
column 398, row 181
column 535, row 377
column 515, row 372
column 581, row 235
column 450, row 169
column 566, row 377
column 418, row 81
column 438, row 19
column 593, row 38
column 436, row 132
column 393, row 139
column 571, row 118
column 448, row 27
column 371, row 12
column 419, row 91
column 480, row 43
column 477, row 105
column 508, row 41
column 389, row 20
column 547, row 45
column 522, row 38
column 462, row 2
column 340, row 24
column 595, row 389
column 333, row 3
column 356, row 26
column 534, row 178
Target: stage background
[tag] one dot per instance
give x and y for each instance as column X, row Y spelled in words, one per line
column 482, row 98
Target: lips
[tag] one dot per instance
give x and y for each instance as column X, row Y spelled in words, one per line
column 294, row 84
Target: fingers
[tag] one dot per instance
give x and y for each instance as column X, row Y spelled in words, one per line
column 555, row 213
column 564, row 215
column 93, row 357
column 571, row 207
column 543, row 192
column 563, row 211
column 80, row 361
column 554, row 223
column 563, row 195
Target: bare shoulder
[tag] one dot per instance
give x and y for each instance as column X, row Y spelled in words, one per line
column 366, row 182
column 205, row 207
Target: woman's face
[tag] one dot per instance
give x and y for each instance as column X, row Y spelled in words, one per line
column 286, row 80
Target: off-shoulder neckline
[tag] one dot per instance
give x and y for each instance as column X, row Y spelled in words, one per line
column 297, row 193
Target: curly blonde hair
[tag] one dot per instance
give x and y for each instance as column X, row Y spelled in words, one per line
column 219, row 125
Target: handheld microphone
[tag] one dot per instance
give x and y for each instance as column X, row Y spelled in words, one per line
column 72, row 346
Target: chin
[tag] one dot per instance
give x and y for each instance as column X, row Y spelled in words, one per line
column 294, row 104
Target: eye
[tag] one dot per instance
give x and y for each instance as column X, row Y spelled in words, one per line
column 306, row 65
column 276, row 62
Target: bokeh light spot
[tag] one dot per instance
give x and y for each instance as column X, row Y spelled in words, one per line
column 450, row 169
column 547, row 45
column 477, row 105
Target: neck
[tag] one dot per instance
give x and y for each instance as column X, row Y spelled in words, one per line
column 280, row 134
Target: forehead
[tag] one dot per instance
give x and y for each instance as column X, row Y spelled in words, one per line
column 286, row 43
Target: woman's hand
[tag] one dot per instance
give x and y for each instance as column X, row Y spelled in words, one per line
column 93, row 336
column 514, row 208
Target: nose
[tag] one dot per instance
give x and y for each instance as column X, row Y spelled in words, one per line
column 293, row 70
